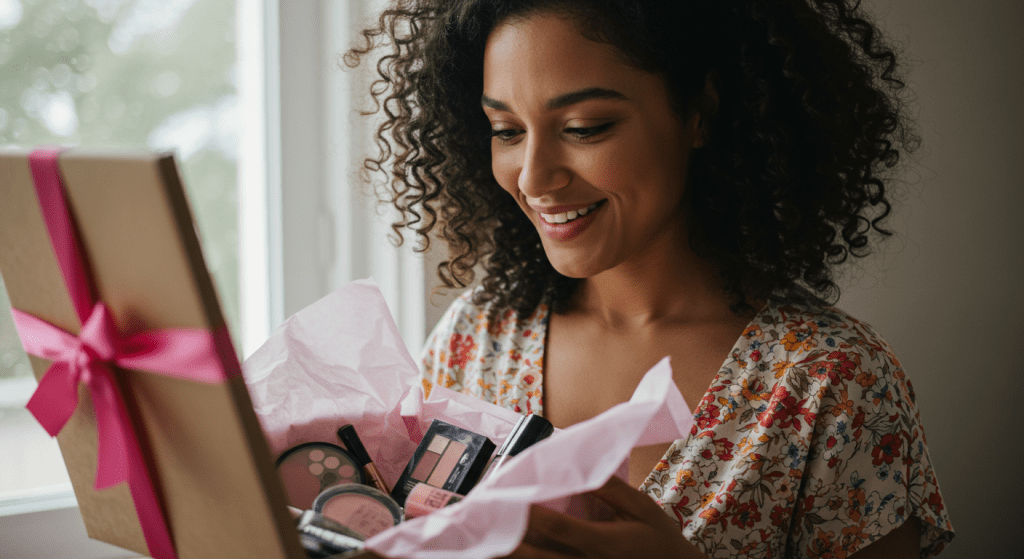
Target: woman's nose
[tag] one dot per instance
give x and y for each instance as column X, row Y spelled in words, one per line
column 542, row 170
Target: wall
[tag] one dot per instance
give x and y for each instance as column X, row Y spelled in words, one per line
column 946, row 293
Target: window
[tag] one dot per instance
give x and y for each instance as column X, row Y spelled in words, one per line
column 146, row 74
column 176, row 74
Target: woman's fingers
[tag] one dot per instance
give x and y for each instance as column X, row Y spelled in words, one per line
column 529, row 551
column 554, row 530
column 627, row 501
column 639, row 528
column 647, row 522
column 580, row 534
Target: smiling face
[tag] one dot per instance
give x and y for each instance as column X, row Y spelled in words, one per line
column 588, row 145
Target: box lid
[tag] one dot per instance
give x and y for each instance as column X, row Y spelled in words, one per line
column 214, row 474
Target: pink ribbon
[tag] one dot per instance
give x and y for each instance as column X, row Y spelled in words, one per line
column 191, row 354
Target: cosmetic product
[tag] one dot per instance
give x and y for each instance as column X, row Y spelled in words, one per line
column 448, row 457
column 310, row 468
column 361, row 508
column 322, row 537
column 348, row 435
column 528, row 430
column 425, row 499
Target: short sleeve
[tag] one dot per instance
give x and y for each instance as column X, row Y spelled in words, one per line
column 868, row 469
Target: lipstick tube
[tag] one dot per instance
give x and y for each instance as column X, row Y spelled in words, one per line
column 348, row 435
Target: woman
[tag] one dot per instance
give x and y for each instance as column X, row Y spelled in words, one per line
column 640, row 179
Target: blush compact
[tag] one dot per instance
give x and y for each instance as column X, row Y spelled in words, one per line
column 448, row 457
column 311, row 468
column 363, row 509
column 323, row 538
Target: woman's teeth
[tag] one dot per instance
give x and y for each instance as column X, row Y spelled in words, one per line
column 568, row 216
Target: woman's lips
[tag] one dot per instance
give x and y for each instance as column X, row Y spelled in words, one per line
column 571, row 229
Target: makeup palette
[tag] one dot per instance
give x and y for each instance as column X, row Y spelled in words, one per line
column 364, row 509
column 448, row 457
column 309, row 469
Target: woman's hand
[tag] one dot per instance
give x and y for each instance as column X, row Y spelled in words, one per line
column 640, row 528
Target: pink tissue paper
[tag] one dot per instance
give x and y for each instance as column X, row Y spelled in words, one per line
column 342, row 360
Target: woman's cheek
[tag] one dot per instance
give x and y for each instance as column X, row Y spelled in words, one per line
column 604, row 169
column 503, row 173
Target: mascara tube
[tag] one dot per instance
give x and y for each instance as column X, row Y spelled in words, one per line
column 348, row 435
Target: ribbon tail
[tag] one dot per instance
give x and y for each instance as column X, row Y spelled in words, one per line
column 147, row 505
column 113, row 428
column 120, row 458
column 55, row 399
column 151, row 515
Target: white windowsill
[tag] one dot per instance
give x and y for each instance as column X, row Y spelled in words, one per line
column 42, row 521
column 14, row 392
column 51, row 497
column 56, row 532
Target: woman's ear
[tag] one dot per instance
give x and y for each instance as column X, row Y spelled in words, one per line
column 702, row 138
column 707, row 109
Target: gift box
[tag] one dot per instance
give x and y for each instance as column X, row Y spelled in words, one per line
column 104, row 270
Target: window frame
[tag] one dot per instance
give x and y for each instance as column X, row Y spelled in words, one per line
column 297, row 243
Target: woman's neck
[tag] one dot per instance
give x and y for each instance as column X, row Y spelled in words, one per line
column 664, row 285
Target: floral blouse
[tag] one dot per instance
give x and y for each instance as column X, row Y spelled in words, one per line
column 807, row 444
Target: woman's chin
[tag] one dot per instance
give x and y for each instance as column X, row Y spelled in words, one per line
column 574, row 268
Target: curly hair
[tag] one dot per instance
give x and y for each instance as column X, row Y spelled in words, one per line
column 809, row 123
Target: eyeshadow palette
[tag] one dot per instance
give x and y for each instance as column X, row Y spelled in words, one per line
column 448, row 457
column 309, row 469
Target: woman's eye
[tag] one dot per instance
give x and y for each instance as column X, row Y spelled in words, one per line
column 505, row 135
column 589, row 131
column 581, row 134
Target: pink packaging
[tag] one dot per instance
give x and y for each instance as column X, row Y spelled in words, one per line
column 425, row 499
column 341, row 360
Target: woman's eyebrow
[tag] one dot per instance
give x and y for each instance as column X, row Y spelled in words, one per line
column 563, row 100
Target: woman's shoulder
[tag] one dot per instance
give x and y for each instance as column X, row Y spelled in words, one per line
column 804, row 330
column 823, row 353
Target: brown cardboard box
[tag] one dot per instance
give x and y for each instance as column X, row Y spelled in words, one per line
column 211, row 465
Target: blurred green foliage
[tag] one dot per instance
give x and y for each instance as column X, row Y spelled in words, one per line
column 138, row 74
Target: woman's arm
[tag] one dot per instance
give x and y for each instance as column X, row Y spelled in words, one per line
column 902, row 543
column 642, row 529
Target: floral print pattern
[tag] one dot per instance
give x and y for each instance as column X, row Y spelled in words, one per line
column 808, row 442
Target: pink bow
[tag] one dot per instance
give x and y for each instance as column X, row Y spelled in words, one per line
column 190, row 354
